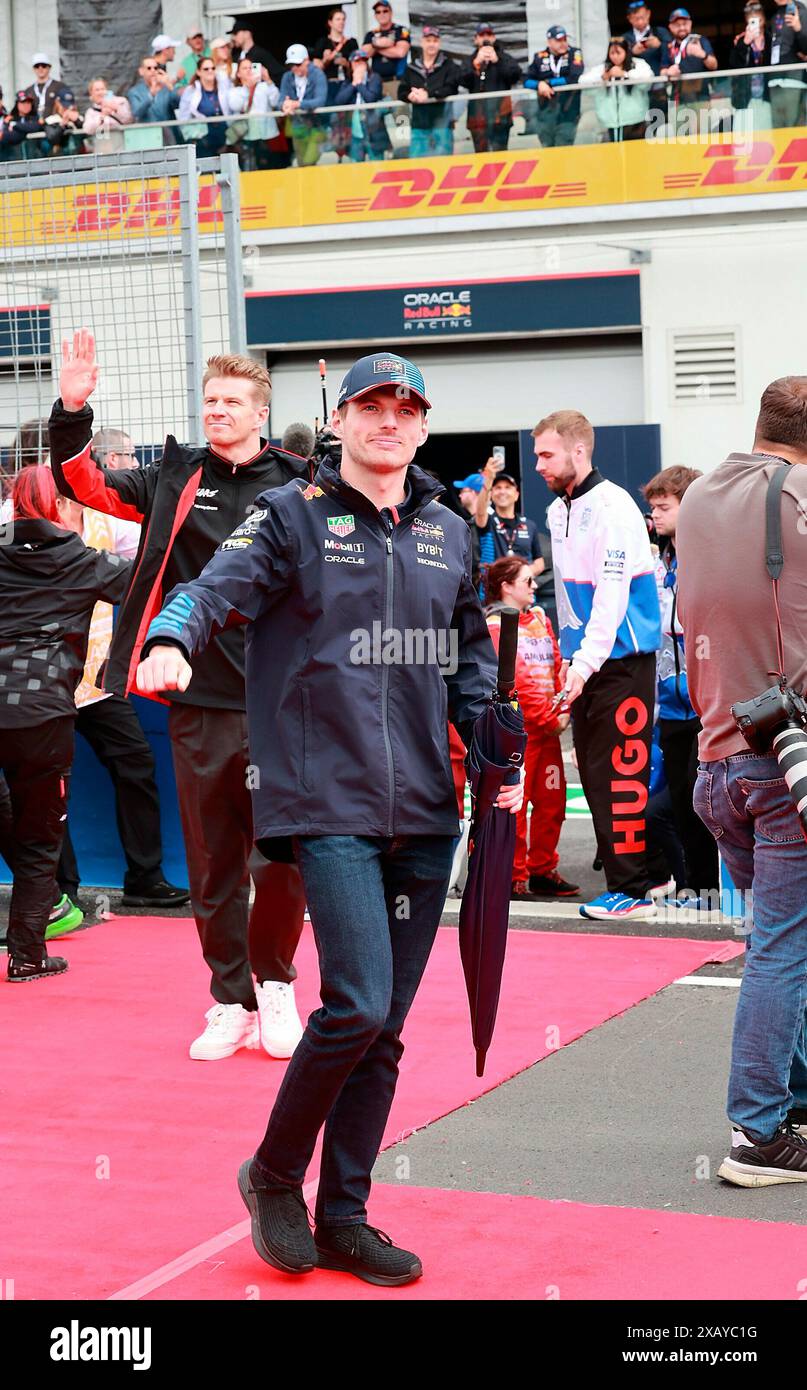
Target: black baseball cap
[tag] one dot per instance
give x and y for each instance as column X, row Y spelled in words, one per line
column 504, row 478
column 556, row 32
column 382, row 369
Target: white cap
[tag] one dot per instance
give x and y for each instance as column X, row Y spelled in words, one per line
column 164, row 41
column 296, row 53
column 41, row 58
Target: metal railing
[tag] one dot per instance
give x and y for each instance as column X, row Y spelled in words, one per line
column 731, row 101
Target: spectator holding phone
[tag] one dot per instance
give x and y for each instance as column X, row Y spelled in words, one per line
column 360, row 133
column 686, row 52
column 751, row 50
column 788, row 45
column 503, row 530
column 251, row 96
column 645, row 39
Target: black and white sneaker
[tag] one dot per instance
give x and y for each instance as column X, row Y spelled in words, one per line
column 21, row 970
column 366, row 1252
column 751, row 1164
column 280, row 1230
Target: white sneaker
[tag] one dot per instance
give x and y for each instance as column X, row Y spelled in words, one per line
column 280, row 1025
column 229, row 1027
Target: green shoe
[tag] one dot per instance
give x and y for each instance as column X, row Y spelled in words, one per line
column 64, row 917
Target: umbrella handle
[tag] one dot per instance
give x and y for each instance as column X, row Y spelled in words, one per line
column 508, row 649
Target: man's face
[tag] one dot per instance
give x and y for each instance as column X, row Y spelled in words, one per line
column 484, row 38
column 166, row 55
column 196, row 42
column 231, row 411
column 639, row 19
column 504, row 495
column 125, row 457
column 555, row 463
column 679, row 28
column 468, row 498
column 383, row 430
column 431, row 47
column 664, row 511
column 383, row 16
column 338, row 19
column 558, row 46
column 300, row 69
column 147, row 69
column 41, row 72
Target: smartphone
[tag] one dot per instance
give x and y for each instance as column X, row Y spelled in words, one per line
column 790, row 8
column 753, row 24
column 497, row 452
column 256, row 68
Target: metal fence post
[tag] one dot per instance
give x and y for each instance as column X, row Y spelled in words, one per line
column 189, row 234
column 230, row 185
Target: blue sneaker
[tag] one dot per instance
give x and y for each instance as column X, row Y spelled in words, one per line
column 612, row 905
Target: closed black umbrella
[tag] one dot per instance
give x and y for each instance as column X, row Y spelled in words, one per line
column 496, row 755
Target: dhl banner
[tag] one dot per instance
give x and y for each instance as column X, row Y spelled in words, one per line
column 580, row 176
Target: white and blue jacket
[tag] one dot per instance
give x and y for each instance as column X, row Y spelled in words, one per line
column 671, row 671
column 604, row 576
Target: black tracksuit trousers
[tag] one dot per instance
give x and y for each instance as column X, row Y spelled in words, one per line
column 211, row 762
column 612, row 722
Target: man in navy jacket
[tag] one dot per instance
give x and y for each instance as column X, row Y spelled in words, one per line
column 364, row 637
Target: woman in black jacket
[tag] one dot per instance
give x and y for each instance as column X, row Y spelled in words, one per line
column 751, row 50
column 50, row 583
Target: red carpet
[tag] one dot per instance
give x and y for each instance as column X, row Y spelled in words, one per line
column 482, row 1245
column 133, row 1148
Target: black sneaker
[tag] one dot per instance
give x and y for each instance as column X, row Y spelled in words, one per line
column 21, row 970
column 751, row 1164
column 160, row 894
column 797, row 1119
column 280, row 1230
column 366, row 1252
column 552, row 886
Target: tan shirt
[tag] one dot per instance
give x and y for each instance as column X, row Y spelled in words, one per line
column 725, row 597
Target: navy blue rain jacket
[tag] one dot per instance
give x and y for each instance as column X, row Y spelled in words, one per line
column 342, row 740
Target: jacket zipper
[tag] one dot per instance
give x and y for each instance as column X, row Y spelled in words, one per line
column 388, row 614
column 568, row 502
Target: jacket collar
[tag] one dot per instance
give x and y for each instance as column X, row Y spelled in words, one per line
column 420, row 489
column 590, row 481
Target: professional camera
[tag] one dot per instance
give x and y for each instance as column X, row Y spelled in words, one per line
column 327, row 445
column 775, row 722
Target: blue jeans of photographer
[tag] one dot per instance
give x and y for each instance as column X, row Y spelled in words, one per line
column 375, row 905
column 744, row 801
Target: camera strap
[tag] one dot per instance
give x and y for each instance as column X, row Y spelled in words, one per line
column 774, row 555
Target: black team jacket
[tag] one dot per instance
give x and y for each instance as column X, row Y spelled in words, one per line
column 364, row 637
column 188, row 501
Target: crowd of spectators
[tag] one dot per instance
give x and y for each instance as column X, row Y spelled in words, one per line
column 228, row 92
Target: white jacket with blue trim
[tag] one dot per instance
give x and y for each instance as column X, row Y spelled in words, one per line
column 604, row 575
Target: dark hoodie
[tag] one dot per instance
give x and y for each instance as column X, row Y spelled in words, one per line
column 50, row 582
column 440, row 82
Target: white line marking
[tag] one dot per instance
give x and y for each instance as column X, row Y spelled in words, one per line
column 717, row 981
column 192, row 1258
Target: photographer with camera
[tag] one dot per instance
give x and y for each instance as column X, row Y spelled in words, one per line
column 750, row 793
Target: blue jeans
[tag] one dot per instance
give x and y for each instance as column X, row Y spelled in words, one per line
column 375, row 905
column 744, row 801
column 433, row 140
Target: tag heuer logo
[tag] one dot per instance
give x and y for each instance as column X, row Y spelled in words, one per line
column 341, row 525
